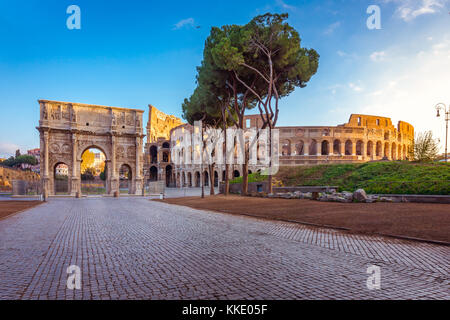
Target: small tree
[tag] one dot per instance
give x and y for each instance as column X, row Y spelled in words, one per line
column 10, row 162
column 425, row 147
column 89, row 174
column 28, row 159
column 103, row 174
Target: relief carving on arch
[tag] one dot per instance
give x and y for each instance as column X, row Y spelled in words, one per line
column 131, row 151
column 120, row 152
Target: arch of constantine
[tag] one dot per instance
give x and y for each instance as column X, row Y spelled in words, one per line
column 68, row 129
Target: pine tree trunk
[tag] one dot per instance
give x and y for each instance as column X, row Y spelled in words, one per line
column 269, row 178
column 211, row 179
column 245, row 175
column 227, row 180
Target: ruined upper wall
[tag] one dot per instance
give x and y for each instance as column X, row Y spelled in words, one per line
column 160, row 124
column 91, row 118
column 377, row 122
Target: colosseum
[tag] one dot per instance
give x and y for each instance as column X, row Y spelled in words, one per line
column 363, row 138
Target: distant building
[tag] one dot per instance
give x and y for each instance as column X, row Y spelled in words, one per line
column 37, row 154
column 62, row 170
column 99, row 162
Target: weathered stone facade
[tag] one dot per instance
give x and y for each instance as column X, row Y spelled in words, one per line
column 68, row 129
column 363, row 138
column 157, row 149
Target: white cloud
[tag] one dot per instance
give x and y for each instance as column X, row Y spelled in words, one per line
column 378, row 56
column 332, row 27
column 284, row 5
column 355, row 87
column 189, row 22
column 344, row 54
column 408, row 10
column 7, row 149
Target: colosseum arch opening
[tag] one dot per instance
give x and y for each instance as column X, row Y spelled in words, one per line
column 67, row 129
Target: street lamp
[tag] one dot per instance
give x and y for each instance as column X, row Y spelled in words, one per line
column 442, row 107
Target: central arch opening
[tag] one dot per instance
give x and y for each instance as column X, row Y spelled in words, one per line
column 61, row 175
column 93, row 172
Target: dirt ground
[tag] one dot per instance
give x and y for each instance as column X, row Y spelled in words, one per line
column 418, row 220
column 9, row 207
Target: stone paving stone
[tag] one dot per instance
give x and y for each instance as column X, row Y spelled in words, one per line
column 133, row 248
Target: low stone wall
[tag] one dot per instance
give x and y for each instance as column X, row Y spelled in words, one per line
column 328, row 193
column 420, row 198
column 263, row 187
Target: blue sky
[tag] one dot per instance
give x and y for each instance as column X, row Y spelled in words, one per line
column 135, row 53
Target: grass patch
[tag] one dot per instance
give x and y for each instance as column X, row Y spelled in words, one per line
column 395, row 177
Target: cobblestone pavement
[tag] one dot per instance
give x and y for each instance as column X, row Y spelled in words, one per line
column 133, row 248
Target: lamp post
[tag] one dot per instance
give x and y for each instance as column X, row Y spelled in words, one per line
column 442, row 107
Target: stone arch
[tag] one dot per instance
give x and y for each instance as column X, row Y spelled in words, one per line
column 378, row 149
column 197, row 179
column 300, row 148
column 325, row 150
column 153, row 154
column 216, row 179
column 61, row 178
column 369, row 148
column 286, row 147
column 236, row 174
column 337, row 146
column 89, row 185
column 103, row 148
column 126, row 178
column 348, row 148
column 166, row 145
column 206, row 178
column 359, row 147
column 153, row 173
column 313, row 148
column 169, row 172
column 165, row 156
